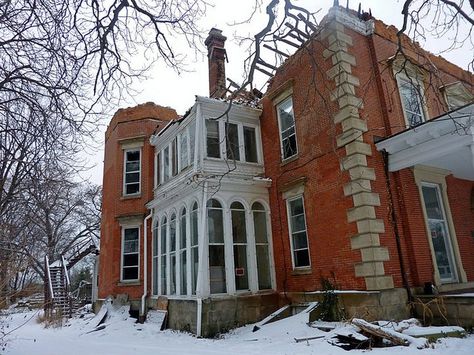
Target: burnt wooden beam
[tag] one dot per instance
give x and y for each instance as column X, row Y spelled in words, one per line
column 276, row 50
column 287, row 41
column 265, row 64
column 264, row 71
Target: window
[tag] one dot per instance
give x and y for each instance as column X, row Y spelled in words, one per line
column 232, row 141
column 239, row 237
column 412, row 100
column 163, row 236
column 182, row 253
column 261, row 246
column 130, row 253
column 166, row 164
column 215, row 230
column 212, row 139
column 132, row 172
column 286, row 121
column 183, row 151
column 192, row 132
column 298, row 236
column 194, row 247
column 174, row 157
column 172, row 246
column 157, row 169
column 155, row 257
column 250, row 144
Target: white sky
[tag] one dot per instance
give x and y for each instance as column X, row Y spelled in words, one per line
column 165, row 87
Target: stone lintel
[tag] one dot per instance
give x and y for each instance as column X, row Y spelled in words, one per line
column 379, row 283
column 370, row 226
column 362, row 172
column 369, row 269
column 357, row 147
column 365, row 240
column 338, row 69
column 352, row 161
column 375, row 254
column 366, row 199
column 360, row 213
column 343, row 57
column 349, row 136
column 356, row 186
column 350, row 100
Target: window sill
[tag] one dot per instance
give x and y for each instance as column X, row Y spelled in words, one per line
column 289, row 160
column 129, row 197
column 129, row 283
column 302, row 271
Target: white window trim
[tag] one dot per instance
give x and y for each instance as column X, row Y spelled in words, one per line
column 402, row 77
column 430, row 175
column 290, row 231
column 124, row 185
column 123, row 227
column 153, row 257
column 276, row 104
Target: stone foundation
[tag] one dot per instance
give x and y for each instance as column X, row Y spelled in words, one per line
column 445, row 310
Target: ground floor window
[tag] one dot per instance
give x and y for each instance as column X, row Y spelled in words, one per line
column 236, row 244
column 130, row 253
column 298, row 235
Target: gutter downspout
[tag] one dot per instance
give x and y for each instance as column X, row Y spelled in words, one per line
column 145, row 266
column 388, row 129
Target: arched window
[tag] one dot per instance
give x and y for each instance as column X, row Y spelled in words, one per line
column 155, row 257
column 163, row 250
column 261, row 246
column 182, row 252
column 239, row 237
column 215, row 231
column 173, row 254
column 194, row 247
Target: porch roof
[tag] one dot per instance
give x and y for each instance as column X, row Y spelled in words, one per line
column 445, row 142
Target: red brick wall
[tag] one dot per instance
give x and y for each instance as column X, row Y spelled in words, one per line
column 142, row 120
column 318, row 160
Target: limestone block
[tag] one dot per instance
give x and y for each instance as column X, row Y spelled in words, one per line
column 348, row 136
column 370, row 226
column 369, row 269
column 379, row 282
column 362, row 172
column 365, row 240
column 354, row 123
column 360, row 213
column 375, row 254
column 339, row 36
column 366, row 199
column 357, row 186
column 357, row 147
column 345, row 77
column 345, row 113
column 342, row 90
column 334, row 48
column 350, row 100
column 343, row 57
column 352, row 161
column 339, row 69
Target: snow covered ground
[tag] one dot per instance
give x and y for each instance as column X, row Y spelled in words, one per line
column 123, row 336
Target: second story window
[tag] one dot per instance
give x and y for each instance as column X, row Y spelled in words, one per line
column 232, row 139
column 212, row 139
column 132, row 172
column 412, row 100
column 286, row 120
column 250, row 145
column 183, row 151
column 174, row 157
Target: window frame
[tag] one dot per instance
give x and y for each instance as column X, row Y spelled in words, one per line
column 123, row 228
column 125, row 172
column 402, row 78
column 290, row 232
column 282, row 150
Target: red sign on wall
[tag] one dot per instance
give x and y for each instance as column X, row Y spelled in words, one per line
column 239, row 271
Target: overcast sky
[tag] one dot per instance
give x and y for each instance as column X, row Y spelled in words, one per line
column 167, row 88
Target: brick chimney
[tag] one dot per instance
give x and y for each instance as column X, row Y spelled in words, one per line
column 216, row 55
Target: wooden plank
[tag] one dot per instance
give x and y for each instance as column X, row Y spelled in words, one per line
column 276, row 50
column 299, row 340
column 270, row 317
